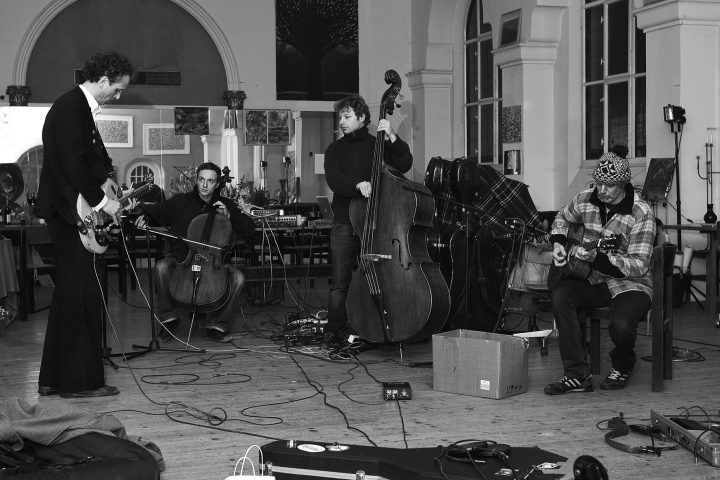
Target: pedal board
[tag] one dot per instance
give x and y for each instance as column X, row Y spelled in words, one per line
column 698, row 433
column 396, row 391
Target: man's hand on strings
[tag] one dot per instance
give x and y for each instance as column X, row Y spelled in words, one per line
column 365, row 188
column 384, row 126
column 112, row 207
column 559, row 254
column 141, row 222
column 222, row 209
column 585, row 255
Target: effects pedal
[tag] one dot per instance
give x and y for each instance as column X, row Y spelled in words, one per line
column 698, row 436
column 396, row 391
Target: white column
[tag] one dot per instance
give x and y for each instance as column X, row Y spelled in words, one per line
column 229, row 151
column 212, row 148
column 682, row 60
column 432, row 102
column 528, row 81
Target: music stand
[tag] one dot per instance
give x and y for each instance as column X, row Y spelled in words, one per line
column 658, row 179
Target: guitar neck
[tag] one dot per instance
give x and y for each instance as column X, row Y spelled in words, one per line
column 136, row 193
column 591, row 245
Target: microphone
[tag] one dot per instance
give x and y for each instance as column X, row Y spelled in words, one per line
column 513, row 223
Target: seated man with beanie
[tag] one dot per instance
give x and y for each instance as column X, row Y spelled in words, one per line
column 619, row 279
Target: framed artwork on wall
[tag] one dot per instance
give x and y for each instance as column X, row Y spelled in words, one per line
column 267, row 127
column 115, row 130
column 160, row 139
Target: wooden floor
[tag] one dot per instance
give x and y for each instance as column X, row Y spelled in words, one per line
column 269, row 393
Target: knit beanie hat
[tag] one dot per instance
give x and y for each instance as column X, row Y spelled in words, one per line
column 612, row 170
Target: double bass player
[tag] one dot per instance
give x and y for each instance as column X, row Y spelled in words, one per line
column 348, row 166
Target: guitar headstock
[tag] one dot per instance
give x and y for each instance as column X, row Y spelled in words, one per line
column 610, row 243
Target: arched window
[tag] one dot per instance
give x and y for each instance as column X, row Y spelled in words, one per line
column 614, row 79
column 140, row 169
column 481, row 104
column 30, row 164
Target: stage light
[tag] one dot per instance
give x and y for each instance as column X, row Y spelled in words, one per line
column 673, row 113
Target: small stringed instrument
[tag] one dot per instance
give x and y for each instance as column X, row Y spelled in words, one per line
column 93, row 226
column 576, row 268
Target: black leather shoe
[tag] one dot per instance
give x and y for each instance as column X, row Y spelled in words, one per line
column 47, row 391
column 167, row 328
column 104, row 391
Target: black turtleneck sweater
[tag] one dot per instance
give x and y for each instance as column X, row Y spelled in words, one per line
column 177, row 212
column 348, row 161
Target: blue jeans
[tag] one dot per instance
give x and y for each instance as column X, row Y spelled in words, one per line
column 626, row 309
column 344, row 250
column 223, row 318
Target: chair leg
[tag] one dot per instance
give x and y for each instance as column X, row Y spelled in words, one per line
column 595, row 345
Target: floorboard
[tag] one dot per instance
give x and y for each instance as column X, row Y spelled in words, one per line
column 204, row 409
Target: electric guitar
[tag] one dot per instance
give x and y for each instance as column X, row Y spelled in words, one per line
column 93, row 226
column 576, row 268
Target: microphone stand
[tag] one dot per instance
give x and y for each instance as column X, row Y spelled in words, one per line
column 154, row 343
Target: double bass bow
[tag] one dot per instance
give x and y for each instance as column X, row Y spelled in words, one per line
column 397, row 293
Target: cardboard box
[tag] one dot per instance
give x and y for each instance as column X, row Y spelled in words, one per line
column 482, row 364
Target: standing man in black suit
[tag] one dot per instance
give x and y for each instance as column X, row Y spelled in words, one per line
column 75, row 162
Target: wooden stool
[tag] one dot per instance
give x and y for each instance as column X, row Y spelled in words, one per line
column 660, row 318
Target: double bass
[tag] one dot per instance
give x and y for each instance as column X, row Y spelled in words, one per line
column 397, row 292
column 201, row 282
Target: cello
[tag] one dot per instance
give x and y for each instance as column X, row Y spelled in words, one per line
column 201, row 282
column 397, row 292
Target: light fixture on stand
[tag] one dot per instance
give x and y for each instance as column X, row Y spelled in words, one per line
column 675, row 116
column 285, row 183
column 710, row 216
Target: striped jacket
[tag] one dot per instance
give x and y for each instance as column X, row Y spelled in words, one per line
column 627, row 268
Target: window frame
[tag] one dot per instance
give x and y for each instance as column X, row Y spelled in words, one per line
column 482, row 35
column 631, row 76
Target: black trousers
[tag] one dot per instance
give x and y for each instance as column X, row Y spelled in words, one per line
column 72, row 358
column 626, row 310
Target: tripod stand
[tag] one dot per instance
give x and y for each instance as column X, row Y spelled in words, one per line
column 154, row 344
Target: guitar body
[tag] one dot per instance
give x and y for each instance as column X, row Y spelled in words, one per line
column 97, row 238
column 93, row 228
column 574, row 267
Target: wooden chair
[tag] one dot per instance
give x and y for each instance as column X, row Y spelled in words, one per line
column 660, row 318
column 31, row 240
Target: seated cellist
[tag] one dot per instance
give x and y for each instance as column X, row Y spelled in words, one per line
column 176, row 213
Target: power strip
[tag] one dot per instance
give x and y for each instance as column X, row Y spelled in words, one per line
column 396, row 391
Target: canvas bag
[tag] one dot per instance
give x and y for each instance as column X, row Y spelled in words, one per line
column 532, row 266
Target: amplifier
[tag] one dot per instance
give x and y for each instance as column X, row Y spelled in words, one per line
column 267, row 212
column 698, row 433
column 320, row 223
column 280, row 221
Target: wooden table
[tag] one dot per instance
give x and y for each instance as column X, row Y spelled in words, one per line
column 22, row 236
column 710, row 277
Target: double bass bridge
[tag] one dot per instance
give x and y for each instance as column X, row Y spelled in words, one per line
column 375, row 257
